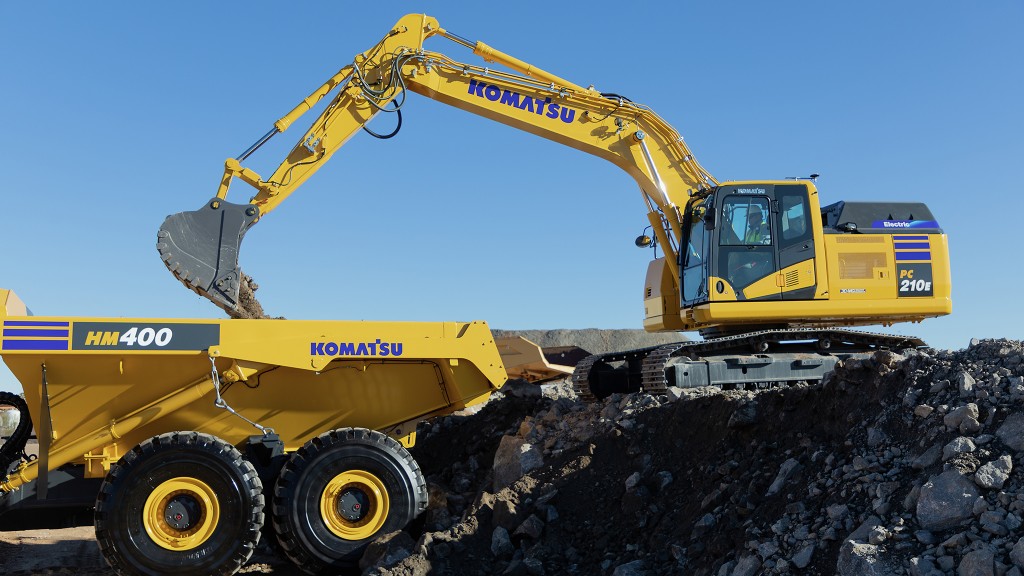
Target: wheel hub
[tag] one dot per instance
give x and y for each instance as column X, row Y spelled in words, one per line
column 183, row 512
column 353, row 504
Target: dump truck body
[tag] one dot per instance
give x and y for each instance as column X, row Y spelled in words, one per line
column 298, row 378
column 105, row 394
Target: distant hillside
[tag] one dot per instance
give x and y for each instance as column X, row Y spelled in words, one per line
column 593, row 340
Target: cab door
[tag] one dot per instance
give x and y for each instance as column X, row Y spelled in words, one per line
column 747, row 262
column 797, row 278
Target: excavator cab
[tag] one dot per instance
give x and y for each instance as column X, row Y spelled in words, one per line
column 201, row 249
column 766, row 255
column 742, row 236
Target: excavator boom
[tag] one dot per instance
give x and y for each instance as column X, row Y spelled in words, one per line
column 201, row 248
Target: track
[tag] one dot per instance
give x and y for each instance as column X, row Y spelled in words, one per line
column 647, row 369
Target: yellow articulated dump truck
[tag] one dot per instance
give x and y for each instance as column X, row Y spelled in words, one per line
column 194, row 438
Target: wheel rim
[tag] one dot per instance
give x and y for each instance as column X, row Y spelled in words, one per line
column 181, row 514
column 354, row 505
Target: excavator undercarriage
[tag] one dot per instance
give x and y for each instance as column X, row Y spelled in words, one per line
column 753, row 360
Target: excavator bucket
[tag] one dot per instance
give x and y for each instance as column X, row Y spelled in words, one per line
column 201, row 249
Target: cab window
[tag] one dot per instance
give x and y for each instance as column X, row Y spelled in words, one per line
column 694, row 253
column 794, row 215
column 745, row 221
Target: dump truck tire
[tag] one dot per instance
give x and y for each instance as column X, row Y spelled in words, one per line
column 12, row 449
column 180, row 503
column 340, row 491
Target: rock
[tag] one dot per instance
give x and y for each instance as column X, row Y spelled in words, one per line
column 532, row 527
column 501, row 544
column 876, row 437
column 994, row 528
column 977, row 563
column 785, row 471
column 923, row 567
column 888, row 358
column 958, row 446
column 388, row 550
column 923, row 411
column 802, row 559
column 980, row 506
column 955, row 541
column 675, row 393
column 858, row 559
column 878, row 535
column 837, row 511
column 634, row 568
column 1011, row 432
column 1017, row 553
column 925, row 537
column 534, row 566
column 514, row 458
column 766, row 550
column 747, row 566
column 993, row 475
column 520, row 388
column 930, row 457
column 525, row 427
column 506, row 514
column 965, row 384
column 946, row 500
column 632, row 480
column 863, row 531
column 744, row 415
column 956, row 417
column 970, row 426
column 1012, row 522
column 515, row 568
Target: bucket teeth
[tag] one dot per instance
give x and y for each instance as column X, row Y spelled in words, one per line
column 201, row 247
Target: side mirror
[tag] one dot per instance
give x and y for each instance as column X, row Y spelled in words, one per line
column 643, row 241
column 847, row 227
column 707, row 216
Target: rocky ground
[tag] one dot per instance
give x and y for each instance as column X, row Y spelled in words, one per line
column 899, row 464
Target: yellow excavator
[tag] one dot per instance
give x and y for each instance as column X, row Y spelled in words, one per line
column 758, row 267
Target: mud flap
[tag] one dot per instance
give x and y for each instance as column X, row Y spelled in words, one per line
column 201, row 248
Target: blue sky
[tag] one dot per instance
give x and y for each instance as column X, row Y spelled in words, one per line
column 117, row 114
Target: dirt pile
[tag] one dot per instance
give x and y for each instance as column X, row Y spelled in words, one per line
column 899, row 464
column 249, row 306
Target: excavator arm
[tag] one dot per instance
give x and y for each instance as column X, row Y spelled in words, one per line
column 201, row 247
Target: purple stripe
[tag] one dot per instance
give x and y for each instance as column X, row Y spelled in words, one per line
column 34, row 323
column 35, row 333
column 35, row 345
column 913, row 256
